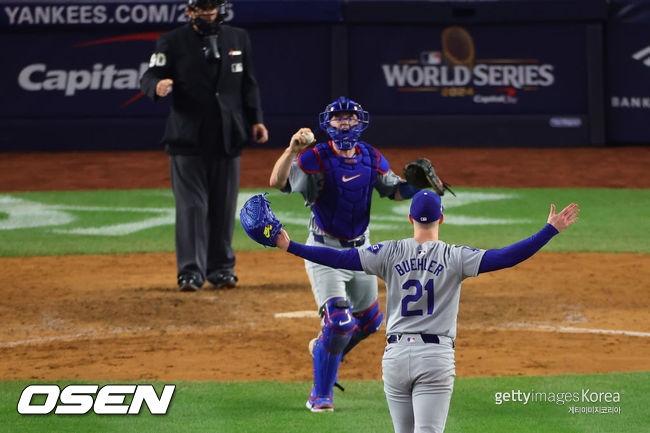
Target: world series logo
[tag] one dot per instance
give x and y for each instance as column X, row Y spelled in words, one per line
column 455, row 71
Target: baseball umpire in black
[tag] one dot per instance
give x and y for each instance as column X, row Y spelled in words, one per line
column 208, row 69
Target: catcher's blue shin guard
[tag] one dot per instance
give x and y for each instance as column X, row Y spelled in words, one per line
column 369, row 322
column 326, row 366
column 339, row 324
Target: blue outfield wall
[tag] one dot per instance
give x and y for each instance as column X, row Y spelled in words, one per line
column 502, row 73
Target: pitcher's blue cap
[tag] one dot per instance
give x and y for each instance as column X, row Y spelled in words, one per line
column 426, row 207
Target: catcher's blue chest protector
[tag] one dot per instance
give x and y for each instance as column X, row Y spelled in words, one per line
column 343, row 206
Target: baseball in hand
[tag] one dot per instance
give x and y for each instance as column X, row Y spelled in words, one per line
column 309, row 137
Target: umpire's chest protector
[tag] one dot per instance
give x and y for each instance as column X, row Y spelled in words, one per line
column 343, row 206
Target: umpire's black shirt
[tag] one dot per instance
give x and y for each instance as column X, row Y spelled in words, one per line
column 213, row 103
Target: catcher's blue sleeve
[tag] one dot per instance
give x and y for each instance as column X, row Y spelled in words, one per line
column 340, row 259
column 506, row 257
column 408, row 191
column 382, row 163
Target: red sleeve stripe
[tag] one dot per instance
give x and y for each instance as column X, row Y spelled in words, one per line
column 379, row 161
column 320, row 162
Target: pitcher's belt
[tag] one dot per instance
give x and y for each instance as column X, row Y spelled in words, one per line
column 426, row 338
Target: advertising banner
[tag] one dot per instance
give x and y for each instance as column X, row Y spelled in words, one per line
column 144, row 14
column 628, row 69
column 473, row 11
column 515, row 69
column 64, row 85
column 76, row 66
column 76, row 74
column 86, row 74
column 29, row 15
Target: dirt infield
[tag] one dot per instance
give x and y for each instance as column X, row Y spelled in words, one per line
column 620, row 167
column 120, row 317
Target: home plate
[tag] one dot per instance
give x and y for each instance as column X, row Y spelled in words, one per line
column 297, row 314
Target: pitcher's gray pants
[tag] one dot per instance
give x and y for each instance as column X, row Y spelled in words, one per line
column 205, row 190
column 418, row 382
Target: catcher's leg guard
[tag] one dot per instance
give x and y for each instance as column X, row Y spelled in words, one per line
column 339, row 324
column 326, row 366
column 369, row 322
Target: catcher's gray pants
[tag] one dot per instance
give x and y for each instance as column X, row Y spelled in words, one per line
column 205, row 189
column 418, row 382
column 327, row 283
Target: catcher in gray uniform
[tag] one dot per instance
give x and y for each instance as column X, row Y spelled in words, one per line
column 337, row 179
column 423, row 277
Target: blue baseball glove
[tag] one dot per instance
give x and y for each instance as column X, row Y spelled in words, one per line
column 259, row 221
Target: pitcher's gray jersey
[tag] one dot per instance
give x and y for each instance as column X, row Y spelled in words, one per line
column 423, row 283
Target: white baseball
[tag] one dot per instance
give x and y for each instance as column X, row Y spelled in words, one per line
column 309, row 137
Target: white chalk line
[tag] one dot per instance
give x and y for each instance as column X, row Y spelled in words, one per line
column 307, row 314
column 503, row 327
column 297, row 314
column 508, row 327
column 558, row 329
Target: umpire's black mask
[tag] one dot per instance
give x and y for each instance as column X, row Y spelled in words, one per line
column 206, row 27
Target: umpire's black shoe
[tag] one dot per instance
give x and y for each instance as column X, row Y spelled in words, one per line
column 228, row 281
column 188, row 283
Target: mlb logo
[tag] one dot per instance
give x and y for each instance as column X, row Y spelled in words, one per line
column 237, row 67
column 430, row 57
column 411, row 339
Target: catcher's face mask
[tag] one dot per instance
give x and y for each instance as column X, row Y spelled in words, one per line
column 344, row 120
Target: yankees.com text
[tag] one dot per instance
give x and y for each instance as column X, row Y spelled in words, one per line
column 95, row 14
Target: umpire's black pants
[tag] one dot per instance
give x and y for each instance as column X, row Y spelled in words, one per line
column 205, row 190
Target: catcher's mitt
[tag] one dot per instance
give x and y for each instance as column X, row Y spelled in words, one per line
column 259, row 221
column 420, row 173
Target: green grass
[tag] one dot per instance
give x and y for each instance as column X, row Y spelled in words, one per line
column 48, row 223
column 279, row 407
column 610, row 221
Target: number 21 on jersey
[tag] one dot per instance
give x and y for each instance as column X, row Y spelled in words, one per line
column 415, row 298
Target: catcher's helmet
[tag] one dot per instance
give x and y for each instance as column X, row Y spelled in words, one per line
column 345, row 139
